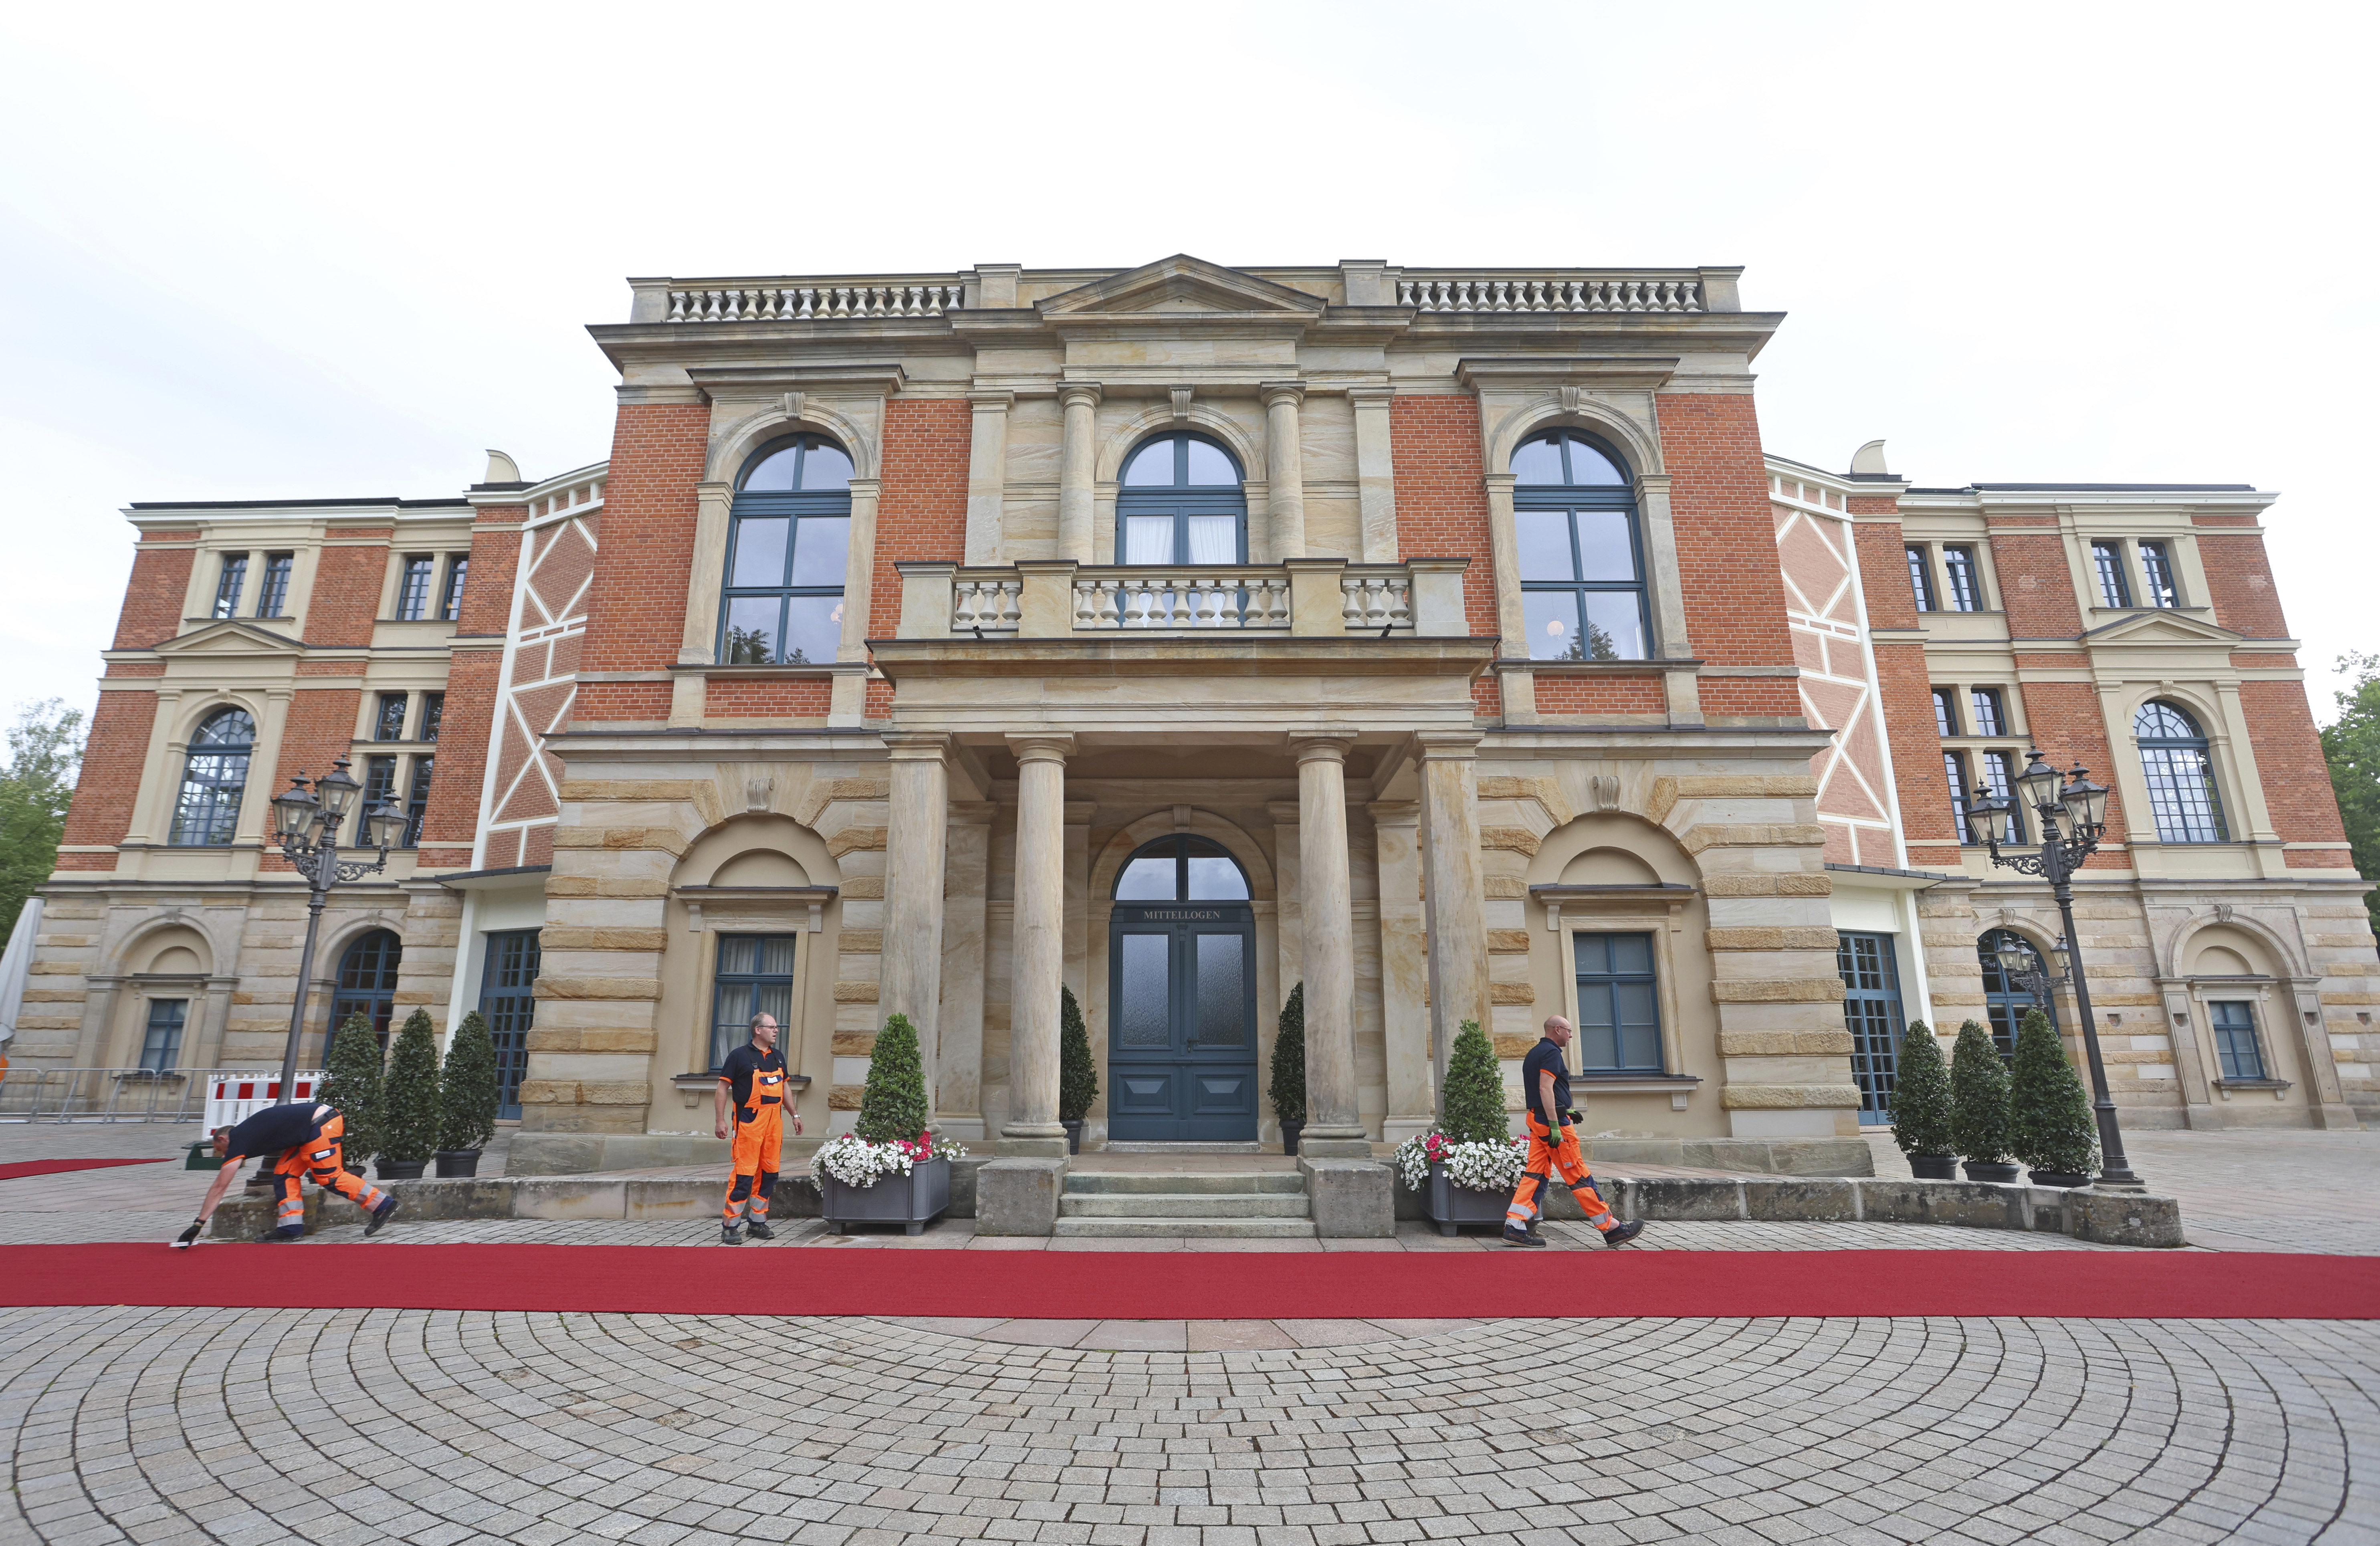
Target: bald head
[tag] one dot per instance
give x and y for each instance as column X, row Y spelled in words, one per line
column 1558, row 1031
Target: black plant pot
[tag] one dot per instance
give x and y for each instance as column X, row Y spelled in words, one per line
column 2003, row 1171
column 458, row 1161
column 401, row 1170
column 2058, row 1178
column 1289, row 1132
column 1933, row 1167
column 1073, row 1126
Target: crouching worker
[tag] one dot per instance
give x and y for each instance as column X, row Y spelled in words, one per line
column 752, row 1081
column 298, row 1139
column 1553, row 1149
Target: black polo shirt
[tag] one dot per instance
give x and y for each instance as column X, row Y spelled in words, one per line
column 275, row 1130
column 742, row 1064
column 1546, row 1058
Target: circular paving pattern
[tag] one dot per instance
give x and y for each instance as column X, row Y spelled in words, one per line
column 435, row 1427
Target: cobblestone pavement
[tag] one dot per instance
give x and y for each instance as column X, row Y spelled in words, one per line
column 436, row 1427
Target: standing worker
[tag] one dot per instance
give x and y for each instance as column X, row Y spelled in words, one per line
column 301, row 1140
column 1553, row 1145
column 753, row 1079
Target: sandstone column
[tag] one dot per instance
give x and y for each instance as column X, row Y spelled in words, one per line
column 1076, row 471
column 1450, row 885
column 1404, row 971
column 1284, row 470
column 915, row 842
column 1333, row 1127
column 987, row 476
column 1038, row 970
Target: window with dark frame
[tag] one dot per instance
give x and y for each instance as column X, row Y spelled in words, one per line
column 789, row 538
column 380, row 786
column 1582, row 562
column 2180, row 774
column 433, row 710
column 215, row 775
column 1946, row 712
column 161, row 1038
column 2004, row 1001
column 755, row 976
column 1954, row 773
column 1180, row 500
column 508, row 1002
column 413, row 587
column 2108, row 559
column 1959, row 569
column 1921, row 580
column 1999, row 779
column 2157, row 570
column 273, row 596
column 1619, row 1004
column 1986, row 703
column 1872, row 1013
column 367, row 986
column 228, row 586
column 450, row 600
column 417, row 801
column 388, row 722
column 2235, row 1039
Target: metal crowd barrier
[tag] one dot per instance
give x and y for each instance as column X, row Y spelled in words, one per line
column 107, row 1094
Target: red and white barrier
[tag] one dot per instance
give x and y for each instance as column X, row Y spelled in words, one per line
column 234, row 1098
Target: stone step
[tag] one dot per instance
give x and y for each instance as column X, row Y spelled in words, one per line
column 1234, row 1183
column 1159, row 1146
column 1195, row 1229
column 1177, row 1205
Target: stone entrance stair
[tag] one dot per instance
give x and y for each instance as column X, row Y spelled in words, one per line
column 1245, row 1205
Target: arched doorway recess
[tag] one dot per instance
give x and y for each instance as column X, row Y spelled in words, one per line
column 1182, row 996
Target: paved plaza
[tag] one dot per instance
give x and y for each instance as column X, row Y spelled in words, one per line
column 436, row 1427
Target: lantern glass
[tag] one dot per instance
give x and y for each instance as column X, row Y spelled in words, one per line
column 293, row 809
column 2016, row 958
column 2039, row 782
column 384, row 825
column 2086, row 803
column 2061, row 955
column 1983, row 816
column 338, row 790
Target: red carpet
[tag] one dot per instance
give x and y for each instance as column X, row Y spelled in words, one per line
column 1200, row 1286
column 52, row 1167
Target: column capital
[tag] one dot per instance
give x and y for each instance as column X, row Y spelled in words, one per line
column 1283, row 812
column 1371, row 397
column 1086, row 392
column 1448, row 745
column 1395, row 813
column 1323, row 743
column 993, row 399
column 917, row 746
column 973, row 814
column 1032, row 748
column 1275, row 392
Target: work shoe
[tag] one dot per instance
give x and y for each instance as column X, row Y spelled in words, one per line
column 381, row 1215
column 1621, row 1233
column 729, row 1236
column 760, row 1230
column 1534, row 1233
column 1522, row 1237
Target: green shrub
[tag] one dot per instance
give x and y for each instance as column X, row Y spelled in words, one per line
column 351, row 1087
column 1078, row 1077
column 1475, row 1091
column 893, row 1106
column 467, row 1087
column 1288, row 1092
column 1979, row 1097
column 410, row 1093
column 2050, row 1123
column 1921, row 1095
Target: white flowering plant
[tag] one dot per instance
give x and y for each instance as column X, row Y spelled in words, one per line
column 1490, row 1166
column 855, row 1161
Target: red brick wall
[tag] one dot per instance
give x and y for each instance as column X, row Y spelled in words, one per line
column 2289, row 761
column 2037, row 585
column 636, row 602
column 1600, row 695
column 1905, row 692
column 921, row 514
column 153, row 596
column 2240, row 579
column 347, row 583
column 2066, row 722
column 620, row 702
column 1884, row 569
column 495, row 554
column 453, row 819
column 110, row 782
column 320, row 728
column 779, row 702
column 1726, row 547
column 1442, row 509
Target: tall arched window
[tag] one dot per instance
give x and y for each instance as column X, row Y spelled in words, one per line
column 1582, row 557
column 1180, row 502
column 2005, row 1001
column 785, row 552
column 367, row 984
column 2181, row 779
column 213, row 777
column 1182, row 869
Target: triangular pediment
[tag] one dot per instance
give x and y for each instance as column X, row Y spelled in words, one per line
column 230, row 637
column 1182, row 285
column 2162, row 628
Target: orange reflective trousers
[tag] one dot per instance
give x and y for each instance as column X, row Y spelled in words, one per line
column 759, row 1138
column 1546, row 1157
column 317, row 1156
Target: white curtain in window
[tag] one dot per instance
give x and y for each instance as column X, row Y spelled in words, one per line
column 1214, row 540
column 1149, row 539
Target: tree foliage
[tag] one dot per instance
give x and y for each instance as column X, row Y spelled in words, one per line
column 893, row 1106
column 1475, row 1091
column 44, row 753
column 410, row 1093
column 1078, row 1076
column 1288, row 1082
column 468, row 1097
column 1979, row 1097
column 1921, row 1095
column 2050, row 1125
column 351, row 1086
column 2350, row 745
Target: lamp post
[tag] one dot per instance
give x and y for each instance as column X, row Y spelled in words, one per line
column 2083, row 807
column 306, row 826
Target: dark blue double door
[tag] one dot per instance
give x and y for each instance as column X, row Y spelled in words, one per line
column 1182, row 1022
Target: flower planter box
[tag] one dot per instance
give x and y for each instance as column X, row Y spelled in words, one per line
column 911, row 1200
column 452, row 1163
column 1933, row 1167
column 2067, row 1178
column 1450, row 1206
column 400, row 1170
column 2000, row 1170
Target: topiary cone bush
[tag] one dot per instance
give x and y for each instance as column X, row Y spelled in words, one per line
column 1979, row 1098
column 1288, row 1084
column 1078, row 1077
column 467, row 1087
column 351, row 1087
column 410, row 1093
column 1475, row 1091
column 893, row 1106
column 2050, row 1125
column 1921, row 1095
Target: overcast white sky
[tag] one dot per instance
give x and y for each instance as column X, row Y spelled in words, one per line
column 257, row 252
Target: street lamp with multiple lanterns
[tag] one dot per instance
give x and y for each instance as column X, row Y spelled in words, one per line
column 306, row 826
column 2083, row 806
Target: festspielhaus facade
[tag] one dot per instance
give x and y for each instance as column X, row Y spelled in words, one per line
column 1445, row 641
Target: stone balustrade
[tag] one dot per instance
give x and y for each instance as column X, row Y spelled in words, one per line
column 1420, row 598
column 1644, row 292
column 777, row 302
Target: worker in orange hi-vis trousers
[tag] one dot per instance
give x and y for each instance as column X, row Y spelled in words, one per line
column 299, row 1140
column 752, row 1080
column 1553, row 1149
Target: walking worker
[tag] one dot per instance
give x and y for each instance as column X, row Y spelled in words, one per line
column 752, row 1080
column 301, row 1140
column 1553, row 1146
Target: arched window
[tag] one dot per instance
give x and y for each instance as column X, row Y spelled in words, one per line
column 367, row 985
column 1182, row 869
column 213, row 777
column 785, row 552
column 1180, row 502
column 2181, row 779
column 2004, row 1001
column 1582, row 557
